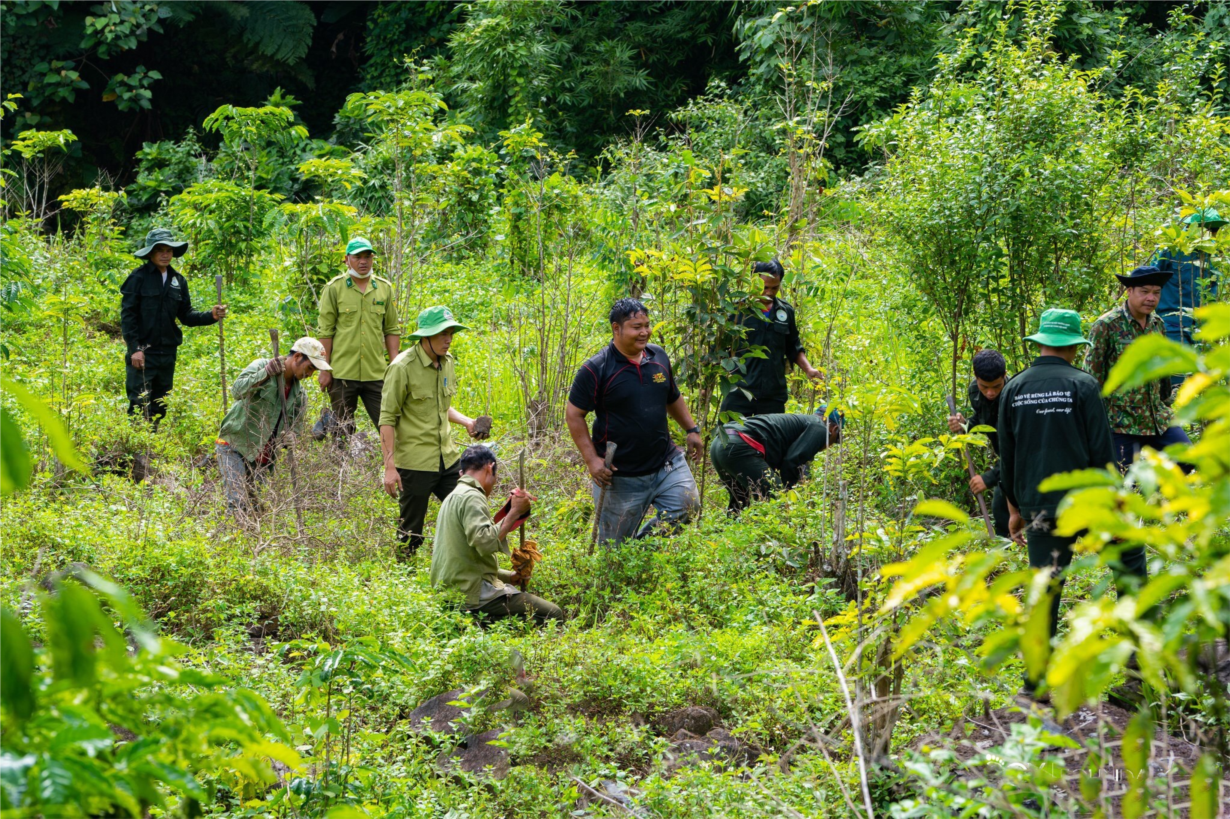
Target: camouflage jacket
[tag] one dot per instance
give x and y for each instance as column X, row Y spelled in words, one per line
column 1144, row 410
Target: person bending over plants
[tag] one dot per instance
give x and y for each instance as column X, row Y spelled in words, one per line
column 269, row 400
column 765, row 453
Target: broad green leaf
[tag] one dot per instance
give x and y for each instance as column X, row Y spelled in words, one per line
column 71, row 616
column 1149, row 358
column 1206, row 788
column 15, row 466
column 53, row 427
column 1079, row 479
column 1214, row 322
column 89, row 738
column 1036, row 637
column 346, row 812
column 54, row 783
column 16, row 667
column 936, row 508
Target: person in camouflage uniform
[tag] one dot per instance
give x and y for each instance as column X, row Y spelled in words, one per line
column 1141, row 416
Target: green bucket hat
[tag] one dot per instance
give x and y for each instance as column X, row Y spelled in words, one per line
column 436, row 320
column 161, row 236
column 1208, row 218
column 357, row 245
column 1059, row 328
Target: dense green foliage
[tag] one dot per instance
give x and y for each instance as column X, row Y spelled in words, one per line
column 932, row 177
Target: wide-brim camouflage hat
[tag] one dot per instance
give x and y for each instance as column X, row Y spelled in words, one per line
column 161, row 236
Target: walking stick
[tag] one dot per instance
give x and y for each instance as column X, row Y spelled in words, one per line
column 221, row 345
column 969, row 464
column 290, row 450
column 521, row 483
column 606, row 461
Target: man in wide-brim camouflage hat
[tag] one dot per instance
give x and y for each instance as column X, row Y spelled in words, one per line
column 153, row 298
column 1141, row 416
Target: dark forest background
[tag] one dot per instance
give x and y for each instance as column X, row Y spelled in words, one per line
column 122, row 75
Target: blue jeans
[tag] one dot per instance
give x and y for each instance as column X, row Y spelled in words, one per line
column 1127, row 447
column 671, row 491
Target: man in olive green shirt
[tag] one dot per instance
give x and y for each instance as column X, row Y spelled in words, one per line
column 420, row 458
column 358, row 326
column 247, row 441
column 464, row 555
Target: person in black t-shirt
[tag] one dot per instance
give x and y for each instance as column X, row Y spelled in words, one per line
column 630, row 387
column 769, row 326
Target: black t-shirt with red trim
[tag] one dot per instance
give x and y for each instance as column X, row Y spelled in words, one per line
column 629, row 403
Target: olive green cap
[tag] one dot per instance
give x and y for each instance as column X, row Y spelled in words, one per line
column 435, row 320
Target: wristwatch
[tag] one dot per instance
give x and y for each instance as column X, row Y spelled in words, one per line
column 695, row 429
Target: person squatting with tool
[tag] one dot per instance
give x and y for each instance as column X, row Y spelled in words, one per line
column 630, row 387
column 152, row 299
column 990, row 377
column 253, row 427
column 765, row 453
column 769, row 325
column 1051, row 421
column 358, row 326
column 468, row 541
column 1140, row 416
column 416, row 408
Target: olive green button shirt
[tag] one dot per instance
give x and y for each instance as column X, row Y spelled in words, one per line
column 358, row 322
column 415, row 402
column 463, row 555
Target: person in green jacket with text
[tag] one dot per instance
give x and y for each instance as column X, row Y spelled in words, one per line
column 764, row 453
column 1052, row 420
column 464, row 555
column 246, row 441
column 358, row 326
column 416, row 407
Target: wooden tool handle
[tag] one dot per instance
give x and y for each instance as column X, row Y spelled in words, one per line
column 606, row 461
column 521, row 484
column 969, row 465
column 218, row 286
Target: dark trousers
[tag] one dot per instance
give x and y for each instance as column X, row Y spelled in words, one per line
column 148, row 387
column 1127, row 447
column 999, row 513
column 742, row 470
column 519, row 604
column 344, row 397
column 416, row 491
column 1047, row 550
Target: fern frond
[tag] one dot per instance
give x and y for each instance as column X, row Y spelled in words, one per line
column 281, row 30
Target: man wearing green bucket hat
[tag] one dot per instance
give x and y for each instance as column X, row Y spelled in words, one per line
column 153, row 298
column 1193, row 281
column 420, row 458
column 358, row 326
column 1052, row 420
